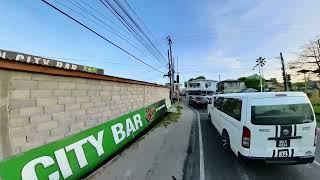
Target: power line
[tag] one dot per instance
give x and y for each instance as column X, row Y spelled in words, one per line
column 120, row 35
column 127, row 26
column 145, row 26
column 57, row 9
column 132, row 28
column 103, row 15
column 137, row 25
column 132, row 10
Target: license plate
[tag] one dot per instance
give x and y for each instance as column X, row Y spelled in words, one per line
column 283, row 143
column 283, row 153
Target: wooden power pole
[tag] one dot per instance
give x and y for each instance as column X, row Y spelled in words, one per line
column 284, row 74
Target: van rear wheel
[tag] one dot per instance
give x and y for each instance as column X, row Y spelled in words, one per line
column 225, row 141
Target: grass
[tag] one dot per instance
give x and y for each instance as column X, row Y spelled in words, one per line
column 171, row 117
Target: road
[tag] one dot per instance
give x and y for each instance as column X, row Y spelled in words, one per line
column 217, row 164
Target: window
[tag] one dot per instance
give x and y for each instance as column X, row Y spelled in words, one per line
column 210, row 93
column 208, row 84
column 232, row 107
column 281, row 114
column 194, row 85
column 218, row 103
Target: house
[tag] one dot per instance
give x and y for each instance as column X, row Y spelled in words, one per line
column 231, row 86
column 270, row 84
column 201, row 86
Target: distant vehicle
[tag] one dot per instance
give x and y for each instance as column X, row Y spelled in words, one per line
column 272, row 127
column 198, row 91
column 198, row 97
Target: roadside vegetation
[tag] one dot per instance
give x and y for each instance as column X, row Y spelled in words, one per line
column 316, row 108
column 171, row 117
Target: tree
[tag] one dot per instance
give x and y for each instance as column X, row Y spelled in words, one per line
column 274, row 81
column 309, row 58
column 199, row 77
column 242, row 79
column 253, row 82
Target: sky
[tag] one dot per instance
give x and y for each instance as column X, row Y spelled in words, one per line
column 210, row 37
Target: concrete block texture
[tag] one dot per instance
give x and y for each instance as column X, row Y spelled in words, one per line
column 45, row 126
column 67, row 85
column 20, row 103
column 30, row 111
column 53, row 109
column 79, row 92
column 61, row 93
column 71, row 107
column 19, row 84
column 20, row 94
column 41, row 108
column 40, row 118
column 41, row 93
column 47, row 101
column 47, row 85
column 66, row 100
column 18, row 122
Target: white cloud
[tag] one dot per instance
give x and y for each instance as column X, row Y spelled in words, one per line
column 246, row 30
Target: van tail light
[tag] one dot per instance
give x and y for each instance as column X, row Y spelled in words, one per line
column 315, row 137
column 246, row 136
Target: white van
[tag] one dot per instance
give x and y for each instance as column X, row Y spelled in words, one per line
column 276, row 127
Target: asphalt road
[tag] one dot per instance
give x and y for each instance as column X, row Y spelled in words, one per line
column 218, row 164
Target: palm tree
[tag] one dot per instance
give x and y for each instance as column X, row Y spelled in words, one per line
column 260, row 63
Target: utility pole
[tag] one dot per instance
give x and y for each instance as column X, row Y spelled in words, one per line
column 284, row 74
column 171, row 67
column 178, row 82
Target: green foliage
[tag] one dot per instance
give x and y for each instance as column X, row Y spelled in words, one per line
column 274, row 81
column 199, row 77
column 316, row 108
column 298, row 84
column 253, row 82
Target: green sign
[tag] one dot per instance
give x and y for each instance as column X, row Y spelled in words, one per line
column 30, row 59
column 76, row 155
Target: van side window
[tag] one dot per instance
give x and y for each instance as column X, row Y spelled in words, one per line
column 219, row 102
column 232, row 107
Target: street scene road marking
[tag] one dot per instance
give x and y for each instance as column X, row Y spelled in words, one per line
column 202, row 173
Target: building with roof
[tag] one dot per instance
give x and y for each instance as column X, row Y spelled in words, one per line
column 201, row 86
column 231, row 86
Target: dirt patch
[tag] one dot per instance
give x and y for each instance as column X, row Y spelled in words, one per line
column 171, row 117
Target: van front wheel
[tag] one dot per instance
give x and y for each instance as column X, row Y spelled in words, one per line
column 225, row 141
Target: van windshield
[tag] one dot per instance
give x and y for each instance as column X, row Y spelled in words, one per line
column 281, row 114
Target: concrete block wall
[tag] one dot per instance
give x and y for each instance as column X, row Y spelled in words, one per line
column 37, row 109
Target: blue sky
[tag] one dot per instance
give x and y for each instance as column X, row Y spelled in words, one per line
column 210, row 37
